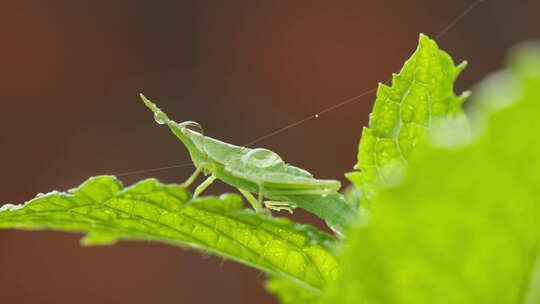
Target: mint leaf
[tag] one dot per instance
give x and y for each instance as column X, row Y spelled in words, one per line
column 289, row 292
column 463, row 226
column 403, row 113
column 152, row 211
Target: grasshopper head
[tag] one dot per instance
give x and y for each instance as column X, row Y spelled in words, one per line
column 191, row 134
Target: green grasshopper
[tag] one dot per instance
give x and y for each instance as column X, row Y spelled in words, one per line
column 258, row 171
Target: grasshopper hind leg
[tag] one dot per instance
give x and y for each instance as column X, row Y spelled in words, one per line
column 279, row 206
column 274, row 205
column 258, row 204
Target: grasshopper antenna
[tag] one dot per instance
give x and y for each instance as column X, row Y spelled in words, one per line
column 367, row 92
column 154, row 169
column 198, row 128
column 316, row 115
column 458, row 18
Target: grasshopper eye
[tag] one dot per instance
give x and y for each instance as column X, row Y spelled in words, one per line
column 193, row 126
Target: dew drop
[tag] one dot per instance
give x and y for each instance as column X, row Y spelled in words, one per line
column 316, row 115
column 40, row 194
column 324, row 195
column 159, row 118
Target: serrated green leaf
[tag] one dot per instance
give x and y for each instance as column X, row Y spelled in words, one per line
column 420, row 94
column 289, row 292
column 152, row 211
column 463, row 225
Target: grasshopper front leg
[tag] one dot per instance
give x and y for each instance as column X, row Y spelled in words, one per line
column 192, row 178
column 200, row 188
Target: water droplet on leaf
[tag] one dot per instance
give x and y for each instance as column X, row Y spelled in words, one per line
column 159, row 118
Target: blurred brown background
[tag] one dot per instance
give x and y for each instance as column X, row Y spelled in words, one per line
column 71, row 72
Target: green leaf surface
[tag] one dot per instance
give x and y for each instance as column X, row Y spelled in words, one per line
column 463, row 227
column 289, row 292
column 152, row 211
column 421, row 94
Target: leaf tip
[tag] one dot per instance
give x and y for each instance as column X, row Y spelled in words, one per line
column 462, row 66
column 423, row 39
